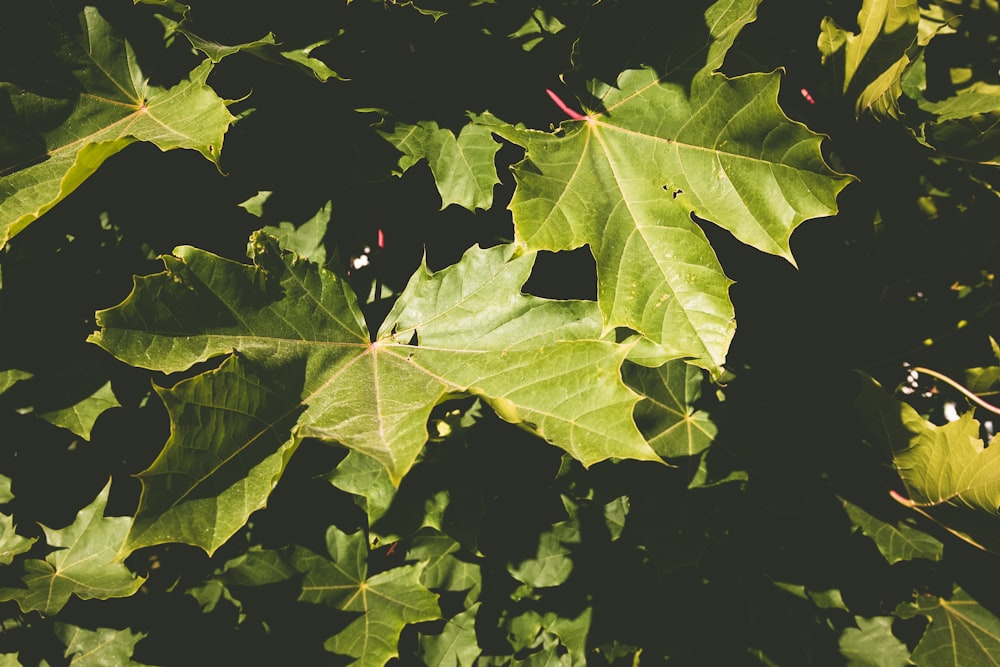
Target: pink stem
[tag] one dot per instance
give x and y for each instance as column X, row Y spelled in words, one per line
column 575, row 115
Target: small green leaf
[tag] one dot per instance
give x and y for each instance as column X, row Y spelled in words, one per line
column 84, row 563
column 538, row 26
column 872, row 644
column 896, row 541
column 255, row 205
column 386, row 602
column 443, row 570
column 369, row 481
column 463, row 167
column 305, row 240
column 665, row 415
column 11, row 544
column 10, row 377
column 80, row 418
column 5, row 493
column 551, row 565
column 961, row 631
column 98, row 648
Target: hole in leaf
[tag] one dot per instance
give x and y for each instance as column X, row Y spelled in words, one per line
column 413, row 339
column 571, row 274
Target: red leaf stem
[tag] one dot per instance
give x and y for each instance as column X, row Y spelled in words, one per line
column 575, row 115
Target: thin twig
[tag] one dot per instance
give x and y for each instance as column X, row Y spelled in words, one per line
column 965, row 392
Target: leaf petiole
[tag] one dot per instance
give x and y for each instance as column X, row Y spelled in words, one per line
column 572, row 113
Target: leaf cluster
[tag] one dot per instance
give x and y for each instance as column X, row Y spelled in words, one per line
column 328, row 337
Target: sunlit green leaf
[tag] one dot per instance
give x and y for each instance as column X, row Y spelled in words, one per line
column 463, row 167
column 551, row 564
column 307, row 366
column 627, row 179
column 84, row 563
column 949, row 473
column 10, row 377
column 104, row 103
column 5, row 493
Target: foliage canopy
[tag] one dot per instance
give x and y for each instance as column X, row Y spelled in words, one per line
column 694, row 367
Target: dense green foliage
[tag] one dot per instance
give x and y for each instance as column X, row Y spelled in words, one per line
column 688, row 362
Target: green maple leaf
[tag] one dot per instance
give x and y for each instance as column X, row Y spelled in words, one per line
column 627, row 179
column 386, row 602
column 64, row 124
column 672, row 426
column 83, row 563
column 961, row 631
column 306, row 366
column 949, row 474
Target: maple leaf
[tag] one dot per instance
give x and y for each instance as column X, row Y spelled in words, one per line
column 306, row 366
column 104, row 103
column 83, row 564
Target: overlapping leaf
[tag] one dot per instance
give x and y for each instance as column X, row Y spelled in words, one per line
column 462, row 166
column 626, row 181
column 949, row 473
column 961, row 631
column 83, row 563
column 872, row 62
column 59, row 134
column 306, row 366
column 666, row 415
column 385, row 602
